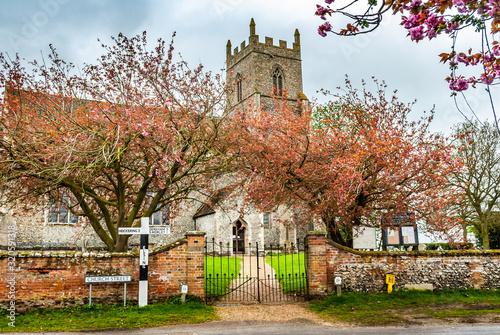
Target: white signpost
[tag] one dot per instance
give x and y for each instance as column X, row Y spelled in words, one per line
column 144, row 231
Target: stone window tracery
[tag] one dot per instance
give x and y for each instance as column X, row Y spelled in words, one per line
column 278, row 81
column 59, row 211
column 239, row 88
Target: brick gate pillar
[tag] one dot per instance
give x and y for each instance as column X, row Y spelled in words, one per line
column 316, row 264
column 196, row 263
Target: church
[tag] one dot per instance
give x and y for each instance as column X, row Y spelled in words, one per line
column 254, row 69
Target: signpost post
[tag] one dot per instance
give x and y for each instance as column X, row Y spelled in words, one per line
column 143, row 263
column 338, row 285
column 144, row 231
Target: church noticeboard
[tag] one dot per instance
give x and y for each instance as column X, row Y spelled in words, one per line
column 364, row 238
column 401, row 235
column 400, row 230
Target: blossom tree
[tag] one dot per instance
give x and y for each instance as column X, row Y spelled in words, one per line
column 428, row 19
column 479, row 182
column 348, row 163
column 127, row 136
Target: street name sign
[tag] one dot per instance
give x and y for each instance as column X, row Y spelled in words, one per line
column 139, row 230
column 129, row 230
column 108, row 279
column 159, row 230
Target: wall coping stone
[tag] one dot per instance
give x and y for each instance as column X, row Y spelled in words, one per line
column 316, row 233
column 167, row 246
column 87, row 254
column 413, row 253
column 195, row 233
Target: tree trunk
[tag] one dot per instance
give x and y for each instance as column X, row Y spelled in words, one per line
column 485, row 236
column 341, row 235
column 121, row 244
column 464, row 232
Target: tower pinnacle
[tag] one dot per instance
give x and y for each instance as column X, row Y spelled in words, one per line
column 252, row 27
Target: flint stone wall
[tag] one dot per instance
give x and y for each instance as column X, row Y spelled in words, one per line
column 366, row 270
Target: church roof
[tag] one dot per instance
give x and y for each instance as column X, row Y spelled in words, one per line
column 208, row 207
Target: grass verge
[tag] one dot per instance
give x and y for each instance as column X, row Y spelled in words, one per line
column 109, row 317
column 409, row 307
column 219, row 272
column 290, row 270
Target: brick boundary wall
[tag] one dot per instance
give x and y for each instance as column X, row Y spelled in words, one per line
column 56, row 279
column 365, row 270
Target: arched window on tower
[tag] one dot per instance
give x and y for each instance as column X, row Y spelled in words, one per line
column 239, row 88
column 278, row 81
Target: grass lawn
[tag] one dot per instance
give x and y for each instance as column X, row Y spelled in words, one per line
column 411, row 307
column 291, row 271
column 108, row 317
column 219, row 272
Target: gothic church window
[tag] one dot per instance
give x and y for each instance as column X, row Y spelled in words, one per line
column 278, row 81
column 59, row 212
column 161, row 217
column 239, row 88
column 265, row 220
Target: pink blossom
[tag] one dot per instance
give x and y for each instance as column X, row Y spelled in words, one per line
column 451, row 27
column 411, row 22
column 486, row 79
column 321, row 30
column 461, row 58
column 459, row 84
column 417, row 33
column 321, row 11
column 416, row 3
column 144, row 133
column 329, row 1
column 432, row 21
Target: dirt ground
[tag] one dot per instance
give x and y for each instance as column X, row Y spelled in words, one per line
column 299, row 312
column 268, row 313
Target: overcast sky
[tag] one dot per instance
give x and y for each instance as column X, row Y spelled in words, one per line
column 27, row 27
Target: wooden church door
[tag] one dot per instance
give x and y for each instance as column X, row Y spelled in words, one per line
column 238, row 238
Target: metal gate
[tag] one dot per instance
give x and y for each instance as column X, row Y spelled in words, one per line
column 261, row 274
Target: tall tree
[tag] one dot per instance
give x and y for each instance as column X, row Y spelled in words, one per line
column 366, row 159
column 428, row 19
column 125, row 137
column 479, row 147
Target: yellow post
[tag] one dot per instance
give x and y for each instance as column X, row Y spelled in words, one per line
column 390, row 280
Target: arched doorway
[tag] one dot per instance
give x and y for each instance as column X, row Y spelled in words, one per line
column 239, row 237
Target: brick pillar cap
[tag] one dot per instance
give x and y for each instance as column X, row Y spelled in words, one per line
column 316, row 233
column 195, row 233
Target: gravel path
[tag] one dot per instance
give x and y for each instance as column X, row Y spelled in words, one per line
column 268, row 313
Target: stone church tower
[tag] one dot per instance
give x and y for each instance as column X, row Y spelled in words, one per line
column 255, row 70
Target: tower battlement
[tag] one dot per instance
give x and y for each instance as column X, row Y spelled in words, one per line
column 257, row 71
column 233, row 56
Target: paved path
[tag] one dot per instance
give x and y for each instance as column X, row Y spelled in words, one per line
column 256, row 281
